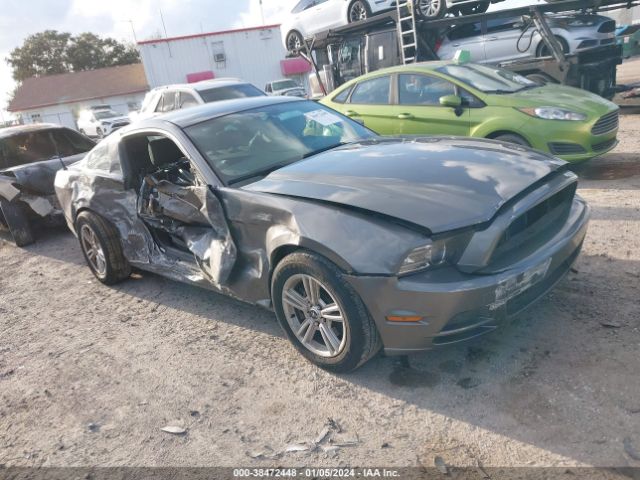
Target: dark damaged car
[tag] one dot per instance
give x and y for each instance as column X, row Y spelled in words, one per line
column 30, row 156
column 356, row 241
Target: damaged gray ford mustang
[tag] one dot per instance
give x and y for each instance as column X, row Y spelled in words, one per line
column 30, row 156
column 358, row 242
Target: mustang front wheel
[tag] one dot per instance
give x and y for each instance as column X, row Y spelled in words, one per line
column 321, row 314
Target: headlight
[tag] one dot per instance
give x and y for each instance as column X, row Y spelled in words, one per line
column 554, row 113
column 435, row 254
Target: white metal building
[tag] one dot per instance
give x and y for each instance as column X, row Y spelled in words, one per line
column 60, row 98
column 256, row 55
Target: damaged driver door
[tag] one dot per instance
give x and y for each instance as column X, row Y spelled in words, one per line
column 183, row 215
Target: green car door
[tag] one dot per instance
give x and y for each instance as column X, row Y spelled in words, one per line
column 369, row 102
column 429, row 105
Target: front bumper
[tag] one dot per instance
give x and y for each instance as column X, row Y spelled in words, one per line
column 457, row 306
column 567, row 141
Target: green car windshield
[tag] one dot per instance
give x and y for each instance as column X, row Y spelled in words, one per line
column 253, row 143
column 488, row 79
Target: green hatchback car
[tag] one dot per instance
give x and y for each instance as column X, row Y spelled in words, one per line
column 467, row 99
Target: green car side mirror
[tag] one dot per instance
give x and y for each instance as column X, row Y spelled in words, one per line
column 453, row 101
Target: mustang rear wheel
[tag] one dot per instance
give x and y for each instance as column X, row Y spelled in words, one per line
column 100, row 244
column 321, row 314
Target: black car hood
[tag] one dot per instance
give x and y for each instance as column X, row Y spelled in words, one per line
column 38, row 177
column 437, row 183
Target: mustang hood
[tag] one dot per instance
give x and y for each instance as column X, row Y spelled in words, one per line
column 438, row 183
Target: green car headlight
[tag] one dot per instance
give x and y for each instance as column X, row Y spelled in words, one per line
column 554, row 113
column 435, row 253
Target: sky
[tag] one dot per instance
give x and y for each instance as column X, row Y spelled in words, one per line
column 120, row 18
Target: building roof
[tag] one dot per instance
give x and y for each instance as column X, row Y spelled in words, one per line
column 209, row 34
column 38, row 92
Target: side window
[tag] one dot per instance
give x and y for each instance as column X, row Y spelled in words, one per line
column 469, row 99
column 372, row 92
column 342, row 96
column 465, row 31
column 302, row 5
column 28, row 148
column 503, row 25
column 70, row 143
column 98, row 158
column 168, row 102
column 423, row 90
column 187, row 100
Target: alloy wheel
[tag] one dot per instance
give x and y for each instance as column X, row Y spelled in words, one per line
column 294, row 42
column 314, row 315
column 93, row 250
column 429, row 8
column 357, row 12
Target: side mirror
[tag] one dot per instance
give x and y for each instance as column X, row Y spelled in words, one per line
column 453, row 101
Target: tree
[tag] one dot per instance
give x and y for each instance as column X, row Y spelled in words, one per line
column 51, row 52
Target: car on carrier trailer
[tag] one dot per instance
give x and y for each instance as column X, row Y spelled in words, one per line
column 467, row 99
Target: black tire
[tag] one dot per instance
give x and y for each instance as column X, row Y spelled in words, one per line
column 480, row 7
column 82, row 132
column 99, row 132
column 117, row 267
column 512, row 138
column 358, row 10
column 362, row 340
column 15, row 217
column 430, row 9
column 543, row 50
column 294, row 41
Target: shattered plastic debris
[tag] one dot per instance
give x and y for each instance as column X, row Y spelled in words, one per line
column 174, row 430
column 610, row 324
column 322, row 442
column 298, row 447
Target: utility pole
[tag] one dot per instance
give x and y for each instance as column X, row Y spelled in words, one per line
column 133, row 30
column 261, row 12
column 165, row 33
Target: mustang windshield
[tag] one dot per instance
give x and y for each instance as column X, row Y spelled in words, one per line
column 488, row 79
column 252, row 143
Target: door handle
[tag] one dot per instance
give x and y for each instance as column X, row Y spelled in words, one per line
column 493, row 39
column 405, row 116
column 351, row 113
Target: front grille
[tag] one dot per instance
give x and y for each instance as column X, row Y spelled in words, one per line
column 599, row 147
column 607, row 27
column 534, row 228
column 566, row 149
column 606, row 124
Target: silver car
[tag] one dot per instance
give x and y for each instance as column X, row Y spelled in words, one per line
column 500, row 40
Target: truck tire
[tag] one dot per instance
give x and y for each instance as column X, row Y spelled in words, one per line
column 17, row 221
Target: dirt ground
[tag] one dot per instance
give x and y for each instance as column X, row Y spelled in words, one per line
column 90, row 374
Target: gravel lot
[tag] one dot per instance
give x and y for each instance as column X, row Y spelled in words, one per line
column 90, row 374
